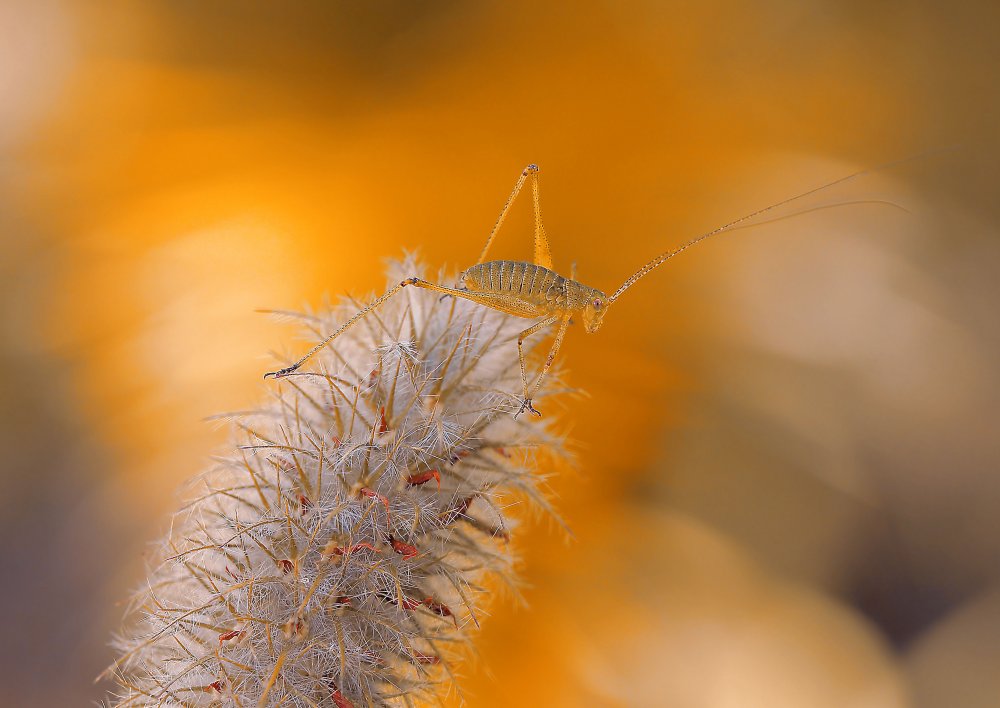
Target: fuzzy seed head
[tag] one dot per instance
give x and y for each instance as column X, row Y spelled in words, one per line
column 340, row 555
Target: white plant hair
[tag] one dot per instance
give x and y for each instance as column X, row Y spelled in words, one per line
column 342, row 553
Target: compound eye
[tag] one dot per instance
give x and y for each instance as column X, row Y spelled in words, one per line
column 597, row 304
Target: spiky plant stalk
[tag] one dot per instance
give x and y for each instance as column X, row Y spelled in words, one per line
column 342, row 554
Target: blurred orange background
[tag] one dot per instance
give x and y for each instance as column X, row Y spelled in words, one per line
column 786, row 479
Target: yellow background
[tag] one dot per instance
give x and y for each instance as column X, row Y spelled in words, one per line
column 786, row 475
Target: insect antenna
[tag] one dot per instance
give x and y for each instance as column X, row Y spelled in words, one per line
column 664, row 257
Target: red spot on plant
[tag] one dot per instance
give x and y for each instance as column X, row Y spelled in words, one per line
column 404, row 549
column 372, row 494
column 408, row 603
column 439, row 609
column 294, row 628
column 339, row 699
column 333, row 549
column 458, row 510
column 423, row 478
column 235, row 634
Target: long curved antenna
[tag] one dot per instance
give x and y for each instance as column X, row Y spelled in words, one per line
column 824, row 207
column 664, row 257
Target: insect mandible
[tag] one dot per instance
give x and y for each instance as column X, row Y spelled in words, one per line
column 534, row 290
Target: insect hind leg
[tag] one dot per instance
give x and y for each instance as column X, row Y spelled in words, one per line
column 542, row 255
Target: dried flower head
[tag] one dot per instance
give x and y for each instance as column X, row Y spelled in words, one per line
column 341, row 555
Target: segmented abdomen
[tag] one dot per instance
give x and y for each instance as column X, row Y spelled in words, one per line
column 525, row 280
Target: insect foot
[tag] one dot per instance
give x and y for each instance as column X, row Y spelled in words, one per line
column 280, row 373
column 325, row 561
column 526, row 406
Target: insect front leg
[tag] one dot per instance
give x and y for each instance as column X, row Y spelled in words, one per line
column 526, row 401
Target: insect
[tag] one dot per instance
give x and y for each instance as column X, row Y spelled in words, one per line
column 534, row 290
